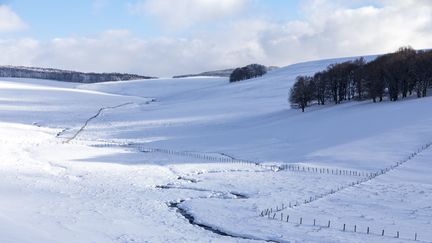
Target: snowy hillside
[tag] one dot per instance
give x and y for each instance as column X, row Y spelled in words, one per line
column 202, row 160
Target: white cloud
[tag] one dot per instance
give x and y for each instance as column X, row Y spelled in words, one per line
column 332, row 28
column 182, row 14
column 120, row 51
column 19, row 52
column 10, row 21
column 329, row 29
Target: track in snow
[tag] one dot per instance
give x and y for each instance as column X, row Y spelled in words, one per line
column 94, row 117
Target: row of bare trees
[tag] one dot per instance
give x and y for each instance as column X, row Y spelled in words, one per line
column 396, row 75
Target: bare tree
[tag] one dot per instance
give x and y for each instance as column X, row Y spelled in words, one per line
column 302, row 92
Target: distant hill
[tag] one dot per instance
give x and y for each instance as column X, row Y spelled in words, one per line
column 217, row 73
column 64, row 75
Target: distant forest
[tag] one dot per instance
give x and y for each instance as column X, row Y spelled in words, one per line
column 217, row 73
column 64, row 75
column 395, row 75
column 235, row 74
column 248, row 72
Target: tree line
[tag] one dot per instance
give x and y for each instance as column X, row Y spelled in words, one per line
column 395, row 75
column 65, row 75
column 248, row 72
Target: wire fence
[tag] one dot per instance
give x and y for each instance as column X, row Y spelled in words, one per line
column 322, row 170
column 369, row 177
column 223, row 158
column 343, row 227
column 275, row 213
column 272, row 212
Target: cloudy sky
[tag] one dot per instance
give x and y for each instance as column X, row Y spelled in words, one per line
column 168, row 37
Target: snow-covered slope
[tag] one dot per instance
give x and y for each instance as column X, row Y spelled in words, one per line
column 148, row 163
column 252, row 120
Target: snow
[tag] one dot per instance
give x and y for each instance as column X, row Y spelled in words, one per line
column 104, row 187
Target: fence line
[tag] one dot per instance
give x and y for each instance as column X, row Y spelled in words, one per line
column 348, row 228
column 228, row 159
column 196, row 155
column 223, row 158
column 271, row 212
column 370, row 176
column 322, row 170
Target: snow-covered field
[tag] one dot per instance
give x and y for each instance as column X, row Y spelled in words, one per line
column 164, row 161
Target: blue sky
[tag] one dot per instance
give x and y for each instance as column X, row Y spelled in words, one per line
column 170, row 37
column 59, row 18
column 53, row 18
